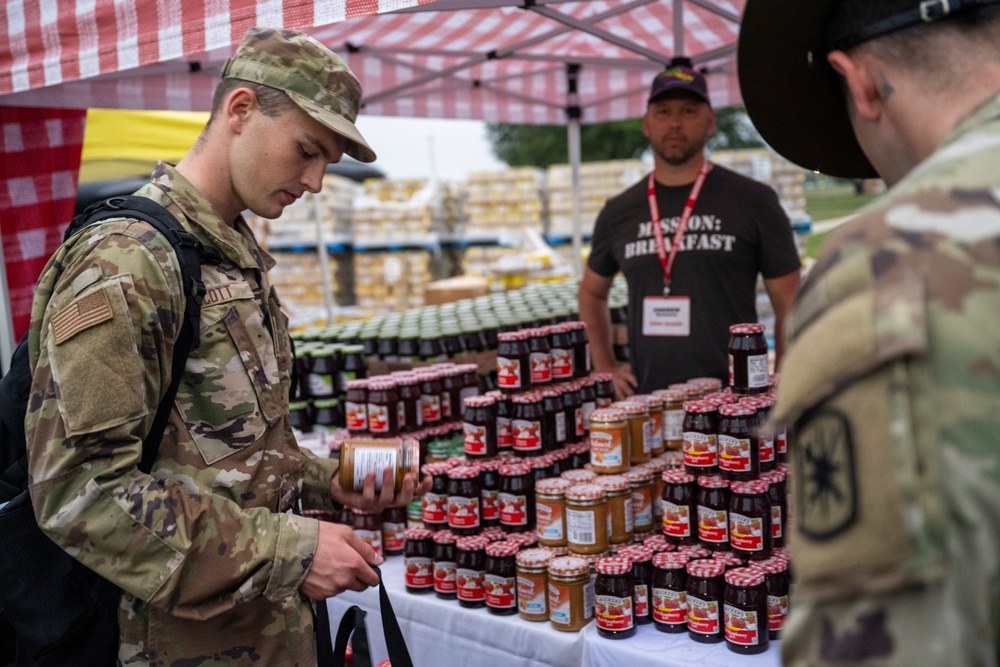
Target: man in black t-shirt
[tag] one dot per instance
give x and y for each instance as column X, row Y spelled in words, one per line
column 735, row 231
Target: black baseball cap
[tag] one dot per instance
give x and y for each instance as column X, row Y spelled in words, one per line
column 679, row 75
column 791, row 93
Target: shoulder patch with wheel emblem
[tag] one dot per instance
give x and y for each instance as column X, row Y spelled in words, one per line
column 826, row 468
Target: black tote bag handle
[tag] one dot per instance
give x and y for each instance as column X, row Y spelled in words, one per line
column 353, row 623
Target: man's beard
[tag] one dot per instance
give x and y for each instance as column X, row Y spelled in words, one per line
column 676, row 159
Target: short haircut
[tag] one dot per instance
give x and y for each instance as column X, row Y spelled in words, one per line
column 272, row 102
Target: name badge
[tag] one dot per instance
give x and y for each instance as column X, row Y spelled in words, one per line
column 666, row 316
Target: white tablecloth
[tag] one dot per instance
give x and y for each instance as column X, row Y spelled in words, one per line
column 442, row 633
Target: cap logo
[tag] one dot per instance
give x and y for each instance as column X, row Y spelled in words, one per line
column 677, row 73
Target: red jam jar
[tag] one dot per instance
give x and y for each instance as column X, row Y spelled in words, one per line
column 701, row 430
column 434, row 503
column 776, row 582
column 539, row 357
column 516, row 499
column 713, row 512
column 642, row 573
column 417, row 554
column 750, row 520
column 528, row 424
column 479, row 429
column 464, row 496
column 513, row 362
column 669, row 592
column 444, row 556
column 705, row 590
column 748, row 365
column 501, row 578
column 745, row 611
column 614, row 603
column 679, row 507
column 739, row 458
column 470, row 573
column 356, row 406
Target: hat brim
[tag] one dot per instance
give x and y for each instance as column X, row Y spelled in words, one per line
column 791, row 93
column 357, row 147
column 678, row 87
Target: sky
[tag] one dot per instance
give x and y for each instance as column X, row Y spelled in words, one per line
column 419, row 147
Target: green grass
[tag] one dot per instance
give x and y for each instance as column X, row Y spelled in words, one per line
column 834, row 201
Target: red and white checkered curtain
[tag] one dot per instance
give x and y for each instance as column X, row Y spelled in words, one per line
column 39, row 165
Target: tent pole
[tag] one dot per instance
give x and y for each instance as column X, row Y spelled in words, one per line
column 679, row 27
column 573, row 113
column 7, row 341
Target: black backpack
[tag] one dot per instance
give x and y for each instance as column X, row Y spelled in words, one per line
column 59, row 611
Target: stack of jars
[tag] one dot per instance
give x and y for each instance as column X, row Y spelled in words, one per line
column 323, row 371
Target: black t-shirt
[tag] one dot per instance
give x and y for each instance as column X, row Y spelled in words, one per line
column 737, row 230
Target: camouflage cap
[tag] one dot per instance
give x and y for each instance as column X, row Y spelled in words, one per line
column 313, row 76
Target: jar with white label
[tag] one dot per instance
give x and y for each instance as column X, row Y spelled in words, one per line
column 533, row 583
column 614, row 598
column 673, row 417
column 749, row 372
column 641, row 481
column 550, row 511
column 501, row 578
column 464, row 498
column 417, row 552
column 745, row 611
column 609, row 441
column 750, row 519
column 360, row 456
column 620, row 508
column 570, row 593
column 654, row 427
column 587, row 519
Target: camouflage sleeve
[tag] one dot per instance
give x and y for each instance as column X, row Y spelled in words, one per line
column 317, row 475
column 106, row 329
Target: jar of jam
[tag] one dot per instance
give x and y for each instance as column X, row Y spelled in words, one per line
column 393, row 526
column 360, row 456
column 505, row 432
column 527, row 425
column 750, row 520
column 610, row 449
column 516, row 498
column 470, row 572
column 430, row 397
column 748, row 366
column 581, row 348
column 641, row 481
column 701, row 429
column 745, row 611
column 654, row 426
column 550, row 511
column 641, row 558
column 637, row 417
column 464, row 495
column 588, row 401
column 539, row 357
column 513, row 362
column 713, row 512
column 669, row 592
column 679, row 507
column 561, row 353
column 614, row 592
column 761, row 435
column 470, row 380
column 417, row 549
column 604, row 388
column 408, row 390
column 489, row 483
column 435, row 501
column 351, row 365
column 368, row 526
column 574, row 413
column 673, row 417
column 587, row 519
column 480, row 427
column 729, row 559
column 323, row 372
column 657, row 466
column 383, row 408
column 533, row 584
column 451, row 393
column 705, row 589
column 739, row 460
column 553, row 420
column 444, row 556
column 569, row 592
column 776, row 582
column 501, row 578
column 356, row 406
column 695, row 551
column 777, row 494
column 620, row 508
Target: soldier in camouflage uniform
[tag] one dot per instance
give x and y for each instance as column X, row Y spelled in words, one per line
column 215, row 568
column 891, row 382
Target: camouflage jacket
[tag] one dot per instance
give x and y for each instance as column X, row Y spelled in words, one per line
column 891, row 389
column 205, row 549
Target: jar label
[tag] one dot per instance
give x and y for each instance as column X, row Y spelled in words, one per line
column 581, row 527
column 445, row 406
column 541, row 367
column 758, row 372
column 320, row 384
column 418, row 572
column 463, row 512
column 505, row 435
column 588, row 598
column 444, row 576
column 676, row 520
column 434, row 508
column 469, row 584
column 491, row 510
column 703, row 616
column 512, row 509
column 372, row 537
column 588, row 407
column 508, row 373
column 356, row 416
column 647, row 436
column 606, row 448
column 700, row 449
column 560, row 426
column 741, row 626
column 549, row 520
column 603, row 401
column 655, row 435
column 372, row 459
column 746, row 533
column 642, row 507
column 475, row 438
column 559, row 604
column 614, row 613
column 531, row 595
column 527, row 435
column 579, row 422
column 641, row 601
column 401, row 414
column 499, row 592
column 430, row 408
column 766, row 450
column 782, row 441
column 777, row 610
column 392, row 535
column 713, row 525
column 673, row 425
column 776, row 528
column 734, row 453
column 562, row 363
column 669, row 606
column 378, row 418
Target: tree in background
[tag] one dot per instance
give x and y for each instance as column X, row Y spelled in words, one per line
column 542, row 145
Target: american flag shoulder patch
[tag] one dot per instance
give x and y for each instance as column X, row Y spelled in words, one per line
column 80, row 315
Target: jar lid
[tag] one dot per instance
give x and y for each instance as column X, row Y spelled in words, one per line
column 438, row 468
column 463, row 472
column 578, row 448
column 748, row 328
column 656, row 466
column 322, row 404
column 569, row 566
column 613, row 566
column 744, row 577
column 514, row 469
column 773, row 476
column 552, row 485
column 694, row 551
column 670, row 395
column 638, row 475
column 699, row 407
column 534, row 558
column 586, row 492
column 613, row 482
column 631, row 407
column 762, row 401
column 502, row 549
column 713, row 482
column 579, row 475
column 560, row 454
column 493, row 534
column 489, row 465
column 357, row 384
column 714, row 384
column 526, row 397
column 472, row 543
column 536, row 462
column 677, row 476
column 737, row 410
column 479, row 401
column 607, row 415
column 602, row 377
column 658, row 543
column 552, row 392
column 495, row 394
column 706, row 568
column 637, row 553
column 575, row 325
column 526, row 539
column 455, row 461
column 670, row 561
column 507, row 337
column 751, row 488
column 381, row 383
column 444, row 537
column 773, row 565
column 418, row 533
column 727, row 557
column 651, row 400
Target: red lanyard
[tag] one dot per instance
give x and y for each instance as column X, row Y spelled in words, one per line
column 654, row 212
